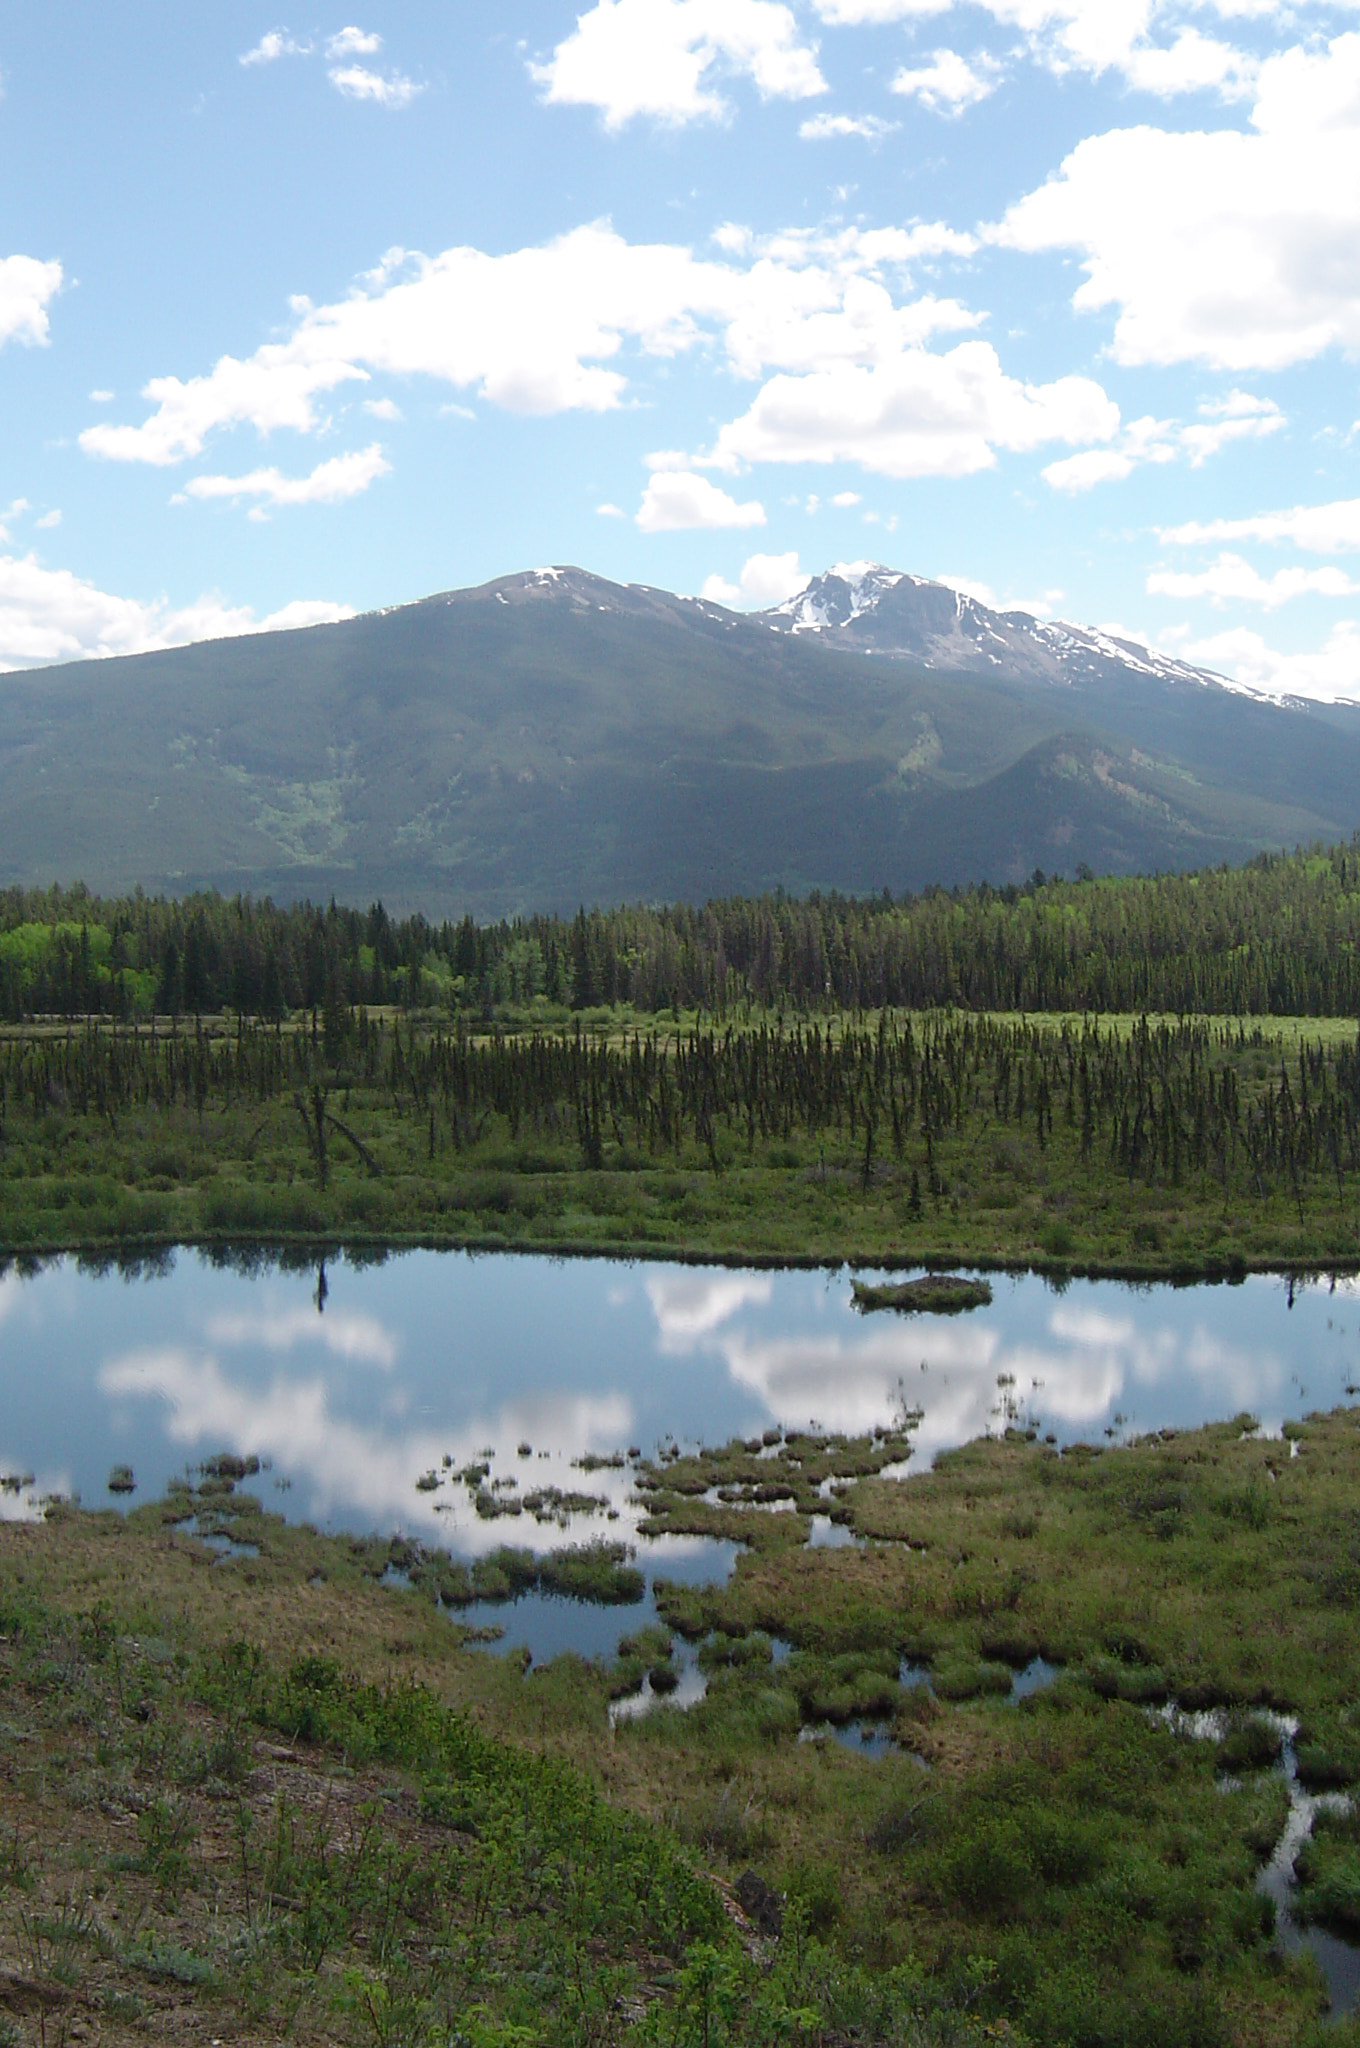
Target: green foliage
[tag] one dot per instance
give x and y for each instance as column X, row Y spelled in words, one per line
column 1147, row 1145
column 1280, row 936
column 171, row 1963
column 1249, row 1744
column 1329, row 1871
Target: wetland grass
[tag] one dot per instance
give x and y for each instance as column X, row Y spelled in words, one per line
column 207, row 1833
column 934, row 1294
column 1173, row 1147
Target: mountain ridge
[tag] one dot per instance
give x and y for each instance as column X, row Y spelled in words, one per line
column 858, row 607
column 872, row 608
column 550, row 738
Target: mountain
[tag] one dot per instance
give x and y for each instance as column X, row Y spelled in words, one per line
column 863, row 608
column 551, row 738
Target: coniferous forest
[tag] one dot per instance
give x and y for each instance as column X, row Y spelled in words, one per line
column 1135, row 1075
column 1279, row 937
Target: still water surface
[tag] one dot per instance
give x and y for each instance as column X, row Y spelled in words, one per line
column 352, row 1390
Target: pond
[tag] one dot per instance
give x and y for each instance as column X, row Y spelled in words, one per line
column 372, row 1392
column 355, row 1381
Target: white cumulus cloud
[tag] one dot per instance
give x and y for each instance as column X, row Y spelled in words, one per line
column 357, row 82
column 828, row 127
column 1147, row 42
column 914, row 414
column 1234, row 248
column 764, row 580
column 1328, row 673
column 1233, row 580
column 677, row 500
column 1235, row 418
column 276, row 387
column 49, row 615
column 330, row 483
column 948, row 84
column 274, row 44
column 1192, row 63
column 27, row 287
column 798, row 301
column 769, row 579
column 1034, row 607
column 1094, row 466
column 352, row 42
column 865, row 325
column 354, row 80
column 1318, row 529
column 1238, row 417
column 660, row 59
column 855, row 13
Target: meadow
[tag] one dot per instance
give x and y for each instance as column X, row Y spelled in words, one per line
column 269, row 1795
column 1141, row 1145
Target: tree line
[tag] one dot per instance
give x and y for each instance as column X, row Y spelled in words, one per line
column 1278, row 936
column 1164, row 1104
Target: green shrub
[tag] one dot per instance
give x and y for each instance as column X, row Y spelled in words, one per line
column 966, row 1678
column 989, row 1868
column 1249, row 1744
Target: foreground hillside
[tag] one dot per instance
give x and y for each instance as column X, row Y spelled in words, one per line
column 379, row 1834
column 553, row 739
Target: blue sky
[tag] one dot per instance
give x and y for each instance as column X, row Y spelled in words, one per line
column 1055, row 299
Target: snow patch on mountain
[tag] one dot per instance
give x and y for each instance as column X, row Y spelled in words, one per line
column 868, row 608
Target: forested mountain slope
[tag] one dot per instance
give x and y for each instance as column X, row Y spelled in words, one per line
column 552, row 739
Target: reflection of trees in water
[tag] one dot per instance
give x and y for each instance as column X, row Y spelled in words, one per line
column 256, row 1259
column 155, row 1262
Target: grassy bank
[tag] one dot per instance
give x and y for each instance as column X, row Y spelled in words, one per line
column 1131, row 1145
column 382, row 1834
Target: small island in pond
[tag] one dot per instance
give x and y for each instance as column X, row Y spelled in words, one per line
column 934, row 1294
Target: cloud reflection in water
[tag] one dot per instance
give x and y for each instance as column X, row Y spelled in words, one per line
column 965, row 1375
column 346, row 1333
column 358, row 1471
column 440, row 1356
column 689, row 1305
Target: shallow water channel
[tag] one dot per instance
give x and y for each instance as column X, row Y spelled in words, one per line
column 365, row 1387
column 1338, row 1960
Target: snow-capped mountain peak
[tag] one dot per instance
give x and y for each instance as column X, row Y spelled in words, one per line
column 867, row 608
